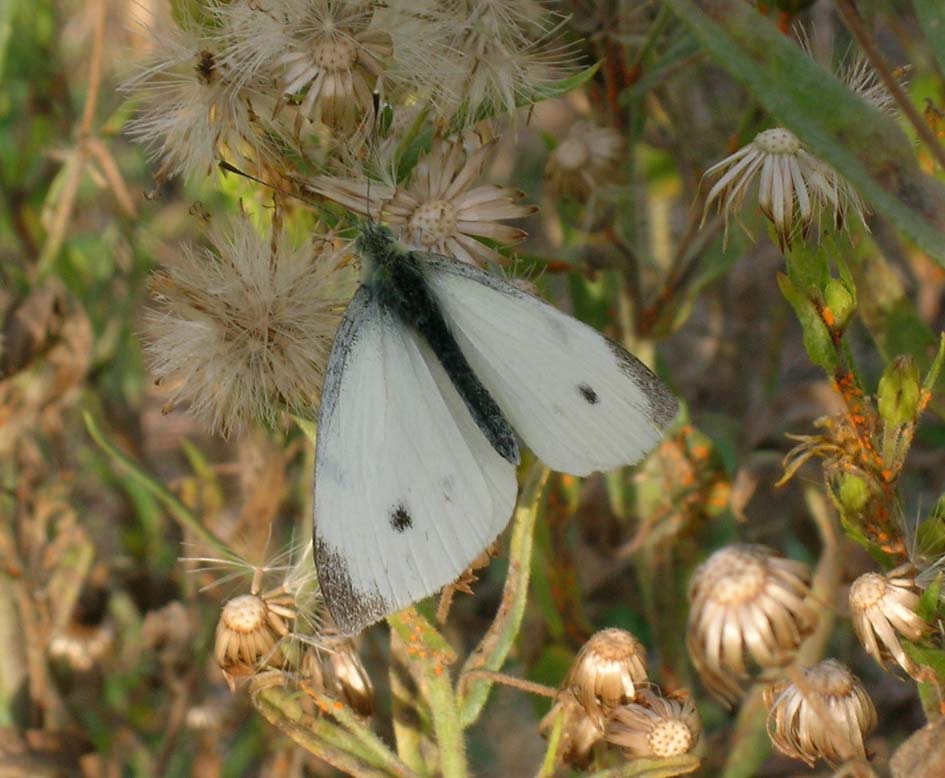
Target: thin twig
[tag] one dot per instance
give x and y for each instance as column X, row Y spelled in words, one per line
column 516, row 683
column 856, row 26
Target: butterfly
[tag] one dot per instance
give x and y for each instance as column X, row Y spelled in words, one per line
column 436, row 371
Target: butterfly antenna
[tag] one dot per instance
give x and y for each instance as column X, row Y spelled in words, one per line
column 227, row 167
column 372, row 148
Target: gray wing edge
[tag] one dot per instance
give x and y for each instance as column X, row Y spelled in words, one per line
column 664, row 405
column 351, row 609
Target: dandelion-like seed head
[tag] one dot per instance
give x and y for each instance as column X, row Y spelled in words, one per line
column 192, row 112
column 607, row 671
column 586, row 158
column 824, row 714
column 245, row 326
column 746, row 602
column 655, row 727
column 883, row 609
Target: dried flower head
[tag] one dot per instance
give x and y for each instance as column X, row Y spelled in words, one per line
column 824, row 714
column 745, row 600
column 440, row 210
column 245, row 325
column 82, row 646
column 607, row 671
column 655, row 727
column 192, row 112
column 883, row 609
column 586, row 158
column 794, row 186
column 579, row 732
column 327, row 52
column 250, row 629
column 335, row 669
column 506, row 54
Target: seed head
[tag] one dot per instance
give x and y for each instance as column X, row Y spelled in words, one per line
column 586, row 158
column 607, row 672
column 655, row 727
column 824, row 714
column 249, row 631
column 883, row 609
column 745, row 600
column 246, row 325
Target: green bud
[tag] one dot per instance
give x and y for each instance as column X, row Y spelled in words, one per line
column 899, row 391
column 839, row 301
column 853, row 493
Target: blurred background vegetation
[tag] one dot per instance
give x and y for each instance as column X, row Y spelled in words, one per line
column 106, row 637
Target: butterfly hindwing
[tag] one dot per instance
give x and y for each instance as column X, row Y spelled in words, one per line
column 580, row 401
column 408, row 489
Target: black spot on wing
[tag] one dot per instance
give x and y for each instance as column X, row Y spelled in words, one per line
column 588, row 394
column 351, row 609
column 663, row 403
column 400, row 519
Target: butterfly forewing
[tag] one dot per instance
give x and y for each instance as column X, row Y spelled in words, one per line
column 408, row 491
column 580, row 401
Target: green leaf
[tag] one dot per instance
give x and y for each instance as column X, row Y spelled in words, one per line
column 931, row 15
column 928, row 602
column 817, row 340
column 858, row 140
column 933, row 658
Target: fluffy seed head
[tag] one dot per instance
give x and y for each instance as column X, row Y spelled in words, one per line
column 746, row 602
column 607, row 671
column 655, row 727
column 246, row 324
column 883, row 609
column 823, row 714
column 585, row 159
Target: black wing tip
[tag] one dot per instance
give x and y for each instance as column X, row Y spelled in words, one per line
column 664, row 405
column 351, row 610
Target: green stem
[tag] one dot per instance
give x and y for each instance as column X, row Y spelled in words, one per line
column 317, row 736
column 652, row 768
column 548, row 764
column 175, row 507
column 495, row 645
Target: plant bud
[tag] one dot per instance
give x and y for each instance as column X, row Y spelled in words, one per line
column 900, row 390
column 853, row 493
column 840, row 302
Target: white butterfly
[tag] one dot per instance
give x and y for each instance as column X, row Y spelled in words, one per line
column 435, row 368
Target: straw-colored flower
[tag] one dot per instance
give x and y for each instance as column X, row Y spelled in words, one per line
column 440, row 210
column 883, row 609
column 327, row 52
column 793, row 185
column 245, row 326
column 587, row 157
column 335, row 668
column 655, row 727
column 746, row 603
column 191, row 112
column 607, row 671
column 82, row 646
column 824, row 714
column 579, row 732
column 249, row 631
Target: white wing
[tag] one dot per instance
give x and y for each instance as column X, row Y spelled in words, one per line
column 408, row 491
column 580, row 401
